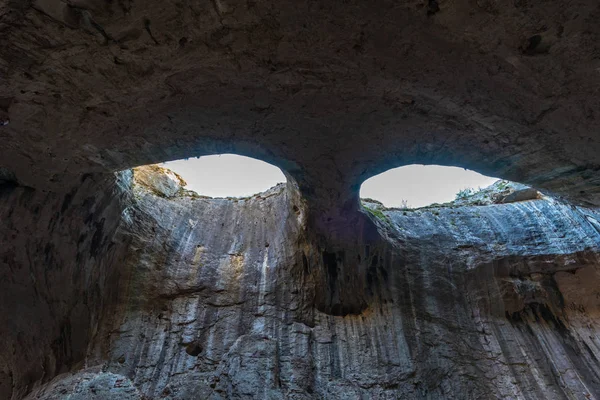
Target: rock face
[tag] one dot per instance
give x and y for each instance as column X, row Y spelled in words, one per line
column 143, row 290
column 189, row 297
column 350, row 87
column 59, row 258
column 161, row 181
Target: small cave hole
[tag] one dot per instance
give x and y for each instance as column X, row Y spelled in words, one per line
column 193, row 349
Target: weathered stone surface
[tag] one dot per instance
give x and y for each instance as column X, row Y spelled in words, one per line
column 92, row 384
column 298, row 293
column 520, row 195
column 59, row 272
column 331, row 92
column 222, row 299
column 161, row 181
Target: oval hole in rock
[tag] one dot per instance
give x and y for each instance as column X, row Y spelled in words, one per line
column 417, row 185
column 226, row 175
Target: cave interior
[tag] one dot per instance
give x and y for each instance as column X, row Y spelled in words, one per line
column 118, row 283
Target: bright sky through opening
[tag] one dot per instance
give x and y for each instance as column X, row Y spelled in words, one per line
column 230, row 175
column 421, row 185
column 226, row 175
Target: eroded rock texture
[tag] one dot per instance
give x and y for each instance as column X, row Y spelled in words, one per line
column 147, row 291
column 221, row 298
column 349, row 87
column 59, row 269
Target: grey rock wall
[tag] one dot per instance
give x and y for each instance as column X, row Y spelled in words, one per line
column 223, row 299
column 59, row 271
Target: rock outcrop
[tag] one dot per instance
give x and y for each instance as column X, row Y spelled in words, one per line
column 225, row 298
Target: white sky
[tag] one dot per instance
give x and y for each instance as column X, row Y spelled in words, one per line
column 226, row 175
column 421, row 185
column 230, row 175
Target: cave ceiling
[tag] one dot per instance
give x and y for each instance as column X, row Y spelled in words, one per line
column 332, row 92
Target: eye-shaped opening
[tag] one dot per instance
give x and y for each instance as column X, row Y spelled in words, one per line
column 226, row 175
column 417, row 185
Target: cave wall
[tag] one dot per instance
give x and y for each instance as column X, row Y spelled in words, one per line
column 333, row 93
column 497, row 281
column 59, row 270
column 225, row 299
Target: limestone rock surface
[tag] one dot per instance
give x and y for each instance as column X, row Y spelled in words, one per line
column 162, row 181
column 352, row 88
column 225, row 299
column 299, row 292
